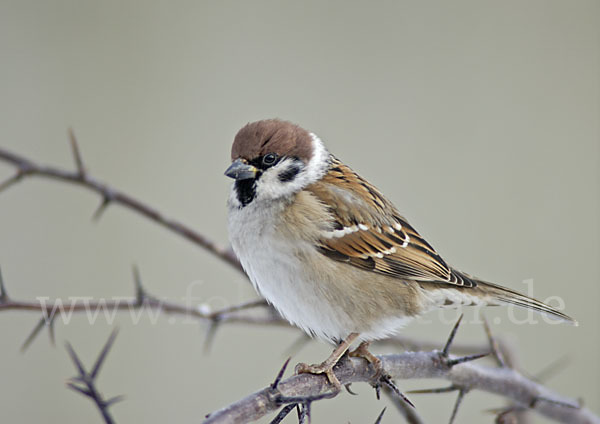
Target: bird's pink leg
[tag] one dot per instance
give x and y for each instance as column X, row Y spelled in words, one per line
column 362, row 351
column 326, row 367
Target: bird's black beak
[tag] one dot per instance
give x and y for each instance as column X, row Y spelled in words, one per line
column 240, row 170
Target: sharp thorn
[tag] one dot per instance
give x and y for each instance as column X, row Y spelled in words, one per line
column 452, row 362
column 446, row 349
column 11, row 180
column 308, row 416
column 51, row 333
column 75, row 360
column 459, row 399
column 380, row 417
column 280, row 374
column 493, row 344
column 349, row 389
column 301, row 413
column 390, row 383
column 101, row 208
column 34, row 333
column 3, row 292
column 76, row 154
column 283, row 413
column 78, row 380
column 140, row 293
column 103, row 354
column 304, row 414
column 211, row 332
column 116, row 399
column 81, row 390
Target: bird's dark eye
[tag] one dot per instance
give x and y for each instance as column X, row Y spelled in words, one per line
column 269, row 159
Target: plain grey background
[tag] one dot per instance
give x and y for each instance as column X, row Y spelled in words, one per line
column 478, row 119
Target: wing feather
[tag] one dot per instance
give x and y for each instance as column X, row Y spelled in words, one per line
column 368, row 232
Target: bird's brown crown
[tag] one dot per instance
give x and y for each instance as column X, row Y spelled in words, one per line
column 272, row 136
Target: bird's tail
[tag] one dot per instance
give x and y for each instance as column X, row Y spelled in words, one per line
column 511, row 297
column 484, row 293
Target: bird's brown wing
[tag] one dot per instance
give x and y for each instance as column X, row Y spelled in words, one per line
column 369, row 233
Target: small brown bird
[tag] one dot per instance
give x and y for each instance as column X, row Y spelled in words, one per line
column 330, row 252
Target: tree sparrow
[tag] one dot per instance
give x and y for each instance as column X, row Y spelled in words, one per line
column 330, row 252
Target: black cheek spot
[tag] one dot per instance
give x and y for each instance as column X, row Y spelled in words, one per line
column 289, row 174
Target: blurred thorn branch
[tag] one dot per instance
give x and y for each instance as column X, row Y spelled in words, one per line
column 109, row 195
column 85, row 382
column 51, row 310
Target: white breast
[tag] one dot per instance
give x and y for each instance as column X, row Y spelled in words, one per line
column 274, row 267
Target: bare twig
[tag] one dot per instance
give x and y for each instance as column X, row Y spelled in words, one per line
column 51, row 310
column 128, row 304
column 501, row 381
column 85, row 382
column 27, row 168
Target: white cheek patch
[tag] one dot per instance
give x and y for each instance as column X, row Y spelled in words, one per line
column 270, row 185
column 273, row 183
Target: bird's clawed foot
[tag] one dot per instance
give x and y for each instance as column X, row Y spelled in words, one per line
column 362, row 351
column 380, row 378
column 326, row 367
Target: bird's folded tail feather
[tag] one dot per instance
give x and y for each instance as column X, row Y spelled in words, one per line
column 482, row 293
column 507, row 296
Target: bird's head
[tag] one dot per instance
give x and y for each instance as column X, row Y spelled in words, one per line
column 274, row 159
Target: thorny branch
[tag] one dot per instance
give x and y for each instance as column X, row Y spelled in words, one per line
column 297, row 392
column 52, row 309
column 28, row 168
column 85, row 382
column 462, row 374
